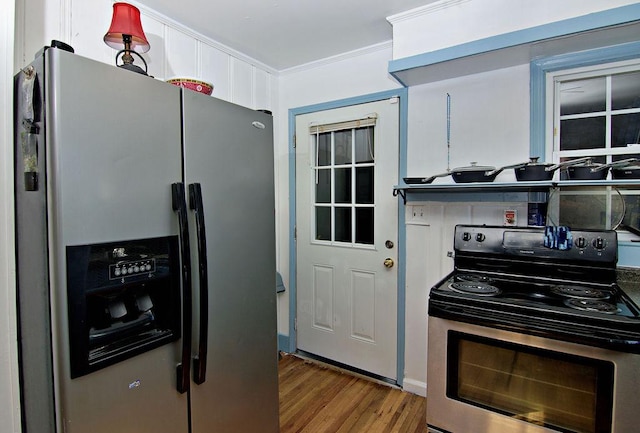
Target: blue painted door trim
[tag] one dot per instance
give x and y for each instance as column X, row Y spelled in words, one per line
column 403, row 95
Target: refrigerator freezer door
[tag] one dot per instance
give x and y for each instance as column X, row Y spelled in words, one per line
column 232, row 160
column 114, row 147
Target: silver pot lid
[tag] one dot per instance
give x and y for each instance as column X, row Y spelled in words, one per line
column 473, row 167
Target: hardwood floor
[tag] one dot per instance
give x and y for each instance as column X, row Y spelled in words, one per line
column 317, row 399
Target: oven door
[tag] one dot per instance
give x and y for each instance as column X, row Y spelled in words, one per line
column 481, row 379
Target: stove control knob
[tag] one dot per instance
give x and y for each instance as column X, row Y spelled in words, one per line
column 480, row 237
column 581, row 242
column 599, row 243
column 466, row 236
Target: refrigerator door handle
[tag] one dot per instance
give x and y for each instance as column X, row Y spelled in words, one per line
column 200, row 360
column 180, row 206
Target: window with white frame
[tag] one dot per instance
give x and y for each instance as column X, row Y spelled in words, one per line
column 596, row 114
column 344, row 172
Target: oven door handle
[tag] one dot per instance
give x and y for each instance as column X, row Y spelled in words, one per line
column 628, row 342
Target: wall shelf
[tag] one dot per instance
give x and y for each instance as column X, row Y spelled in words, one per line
column 534, row 191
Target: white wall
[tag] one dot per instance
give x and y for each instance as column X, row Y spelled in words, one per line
column 489, row 123
column 355, row 75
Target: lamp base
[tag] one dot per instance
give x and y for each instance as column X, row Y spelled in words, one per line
column 133, row 68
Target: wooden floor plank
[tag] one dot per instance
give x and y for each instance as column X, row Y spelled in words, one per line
column 317, row 399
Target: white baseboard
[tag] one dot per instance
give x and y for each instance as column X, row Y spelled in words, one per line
column 415, row 387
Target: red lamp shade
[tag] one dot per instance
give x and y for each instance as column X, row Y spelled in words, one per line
column 126, row 21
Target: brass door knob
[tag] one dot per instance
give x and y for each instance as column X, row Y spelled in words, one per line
column 388, row 262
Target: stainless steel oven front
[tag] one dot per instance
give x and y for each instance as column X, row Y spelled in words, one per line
column 481, row 380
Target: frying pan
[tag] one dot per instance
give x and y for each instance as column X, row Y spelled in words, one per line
column 588, row 170
column 471, row 173
column 534, row 170
column 595, row 171
column 625, row 170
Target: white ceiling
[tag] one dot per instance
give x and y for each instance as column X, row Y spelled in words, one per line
column 286, row 33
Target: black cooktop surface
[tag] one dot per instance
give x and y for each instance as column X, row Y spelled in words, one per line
column 574, row 298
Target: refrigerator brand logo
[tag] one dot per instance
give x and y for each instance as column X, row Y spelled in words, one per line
column 258, row 125
column 135, row 384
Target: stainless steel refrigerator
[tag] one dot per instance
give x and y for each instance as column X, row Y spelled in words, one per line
column 145, row 254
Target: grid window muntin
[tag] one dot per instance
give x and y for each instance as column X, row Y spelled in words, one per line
column 601, row 118
column 604, row 120
column 343, row 187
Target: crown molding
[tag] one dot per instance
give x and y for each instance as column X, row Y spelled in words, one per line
column 425, row 10
column 387, row 45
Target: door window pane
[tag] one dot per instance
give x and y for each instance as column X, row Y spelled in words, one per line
column 323, row 223
column 364, row 225
column 343, row 147
column 324, row 148
column 343, row 224
column 364, row 185
column 364, row 145
column 323, row 186
column 343, row 185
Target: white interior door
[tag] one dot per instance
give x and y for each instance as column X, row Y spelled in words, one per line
column 346, row 220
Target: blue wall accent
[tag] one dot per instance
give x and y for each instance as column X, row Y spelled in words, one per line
column 629, row 254
column 283, row 343
column 289, row 344
column 611, row 17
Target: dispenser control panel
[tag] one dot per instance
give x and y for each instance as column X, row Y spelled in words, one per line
column 131, row 268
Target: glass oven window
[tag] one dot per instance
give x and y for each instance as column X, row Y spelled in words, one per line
column 565, row 392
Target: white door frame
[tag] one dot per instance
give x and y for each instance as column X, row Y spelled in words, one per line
column 402, row 94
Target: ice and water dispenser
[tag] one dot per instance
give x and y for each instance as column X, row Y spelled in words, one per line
column 123, row 298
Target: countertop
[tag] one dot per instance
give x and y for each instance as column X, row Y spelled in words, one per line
column 629, row 281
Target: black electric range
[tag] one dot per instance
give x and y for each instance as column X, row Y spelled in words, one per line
column 552, row 282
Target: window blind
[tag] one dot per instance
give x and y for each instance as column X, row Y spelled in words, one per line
column 370, row 120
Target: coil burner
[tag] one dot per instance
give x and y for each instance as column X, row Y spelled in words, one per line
column 476, row 278
column 580, row 292
column 594, row 305
column 475, row 288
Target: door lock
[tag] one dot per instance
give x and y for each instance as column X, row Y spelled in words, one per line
column 388, row 262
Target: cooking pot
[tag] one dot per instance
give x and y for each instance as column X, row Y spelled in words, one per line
column 535, row 171
column 475, row 173
column 625, row 169
column 589, row 170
